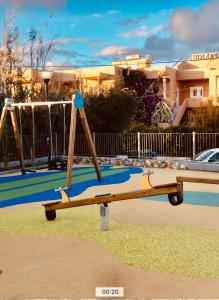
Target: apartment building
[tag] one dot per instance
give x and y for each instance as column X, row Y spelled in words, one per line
column 186, row 85
column 94, row 79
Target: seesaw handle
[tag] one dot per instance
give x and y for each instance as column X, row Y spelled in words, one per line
column 60, row 188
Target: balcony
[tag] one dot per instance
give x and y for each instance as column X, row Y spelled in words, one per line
column 190, row 103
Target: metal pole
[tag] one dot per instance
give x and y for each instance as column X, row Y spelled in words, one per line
column 193, row 144
column 139, row 145
column 56, row 144
column 33, row 135
column 46, row 81
column 21, row 133
column 20, row 123
column 64, row 131
column 50, row 133
column 104, row 217
column 94, row 140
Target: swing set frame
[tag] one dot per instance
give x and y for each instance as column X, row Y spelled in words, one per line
column 77, row 104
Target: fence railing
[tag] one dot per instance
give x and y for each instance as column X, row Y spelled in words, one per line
column 140, row 145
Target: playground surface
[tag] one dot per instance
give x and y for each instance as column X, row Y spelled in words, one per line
column 153, row 250
column 40, row 186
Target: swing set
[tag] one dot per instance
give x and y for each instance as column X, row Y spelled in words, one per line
column 54, row 161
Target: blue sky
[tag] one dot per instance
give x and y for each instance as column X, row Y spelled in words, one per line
column 95, row 32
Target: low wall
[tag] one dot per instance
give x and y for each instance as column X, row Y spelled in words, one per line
column 113, row 161
column 123, row 160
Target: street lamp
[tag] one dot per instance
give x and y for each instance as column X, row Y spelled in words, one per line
column 46, row 76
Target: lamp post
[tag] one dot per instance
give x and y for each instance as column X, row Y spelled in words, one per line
column 46, row 76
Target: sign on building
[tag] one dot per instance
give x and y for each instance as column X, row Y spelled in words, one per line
column 205, row 56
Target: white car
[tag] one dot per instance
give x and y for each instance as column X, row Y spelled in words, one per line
column 207, row 160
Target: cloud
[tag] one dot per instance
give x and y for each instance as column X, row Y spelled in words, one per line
column 57, row 65
column 97, row 15
column 67, row 53
column 101, row 15
column 139, row 32
column 133, row 21
column 155, row 18
column 142, row 31
column 164, row 48
column 89, row 62
column 112, row 12
column 196, row 27
column 65, row 41
column 115, row 51
column 47, row 3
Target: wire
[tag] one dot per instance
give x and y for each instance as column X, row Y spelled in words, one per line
column 108, row 65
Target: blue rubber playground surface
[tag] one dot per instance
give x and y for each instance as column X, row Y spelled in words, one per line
column 35, row 187
column 40, row 186
column 194, row 198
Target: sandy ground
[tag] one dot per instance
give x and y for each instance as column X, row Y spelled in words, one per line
column 36, row 267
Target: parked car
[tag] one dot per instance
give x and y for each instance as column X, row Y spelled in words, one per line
column 207, row 160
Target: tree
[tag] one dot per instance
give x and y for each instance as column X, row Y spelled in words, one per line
column 135, row 80
column 146, row 107
column 11, row 70
column 111, row 112
column 162, row 114
column 206, row 117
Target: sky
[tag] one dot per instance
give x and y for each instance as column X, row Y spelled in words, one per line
column 94, row 32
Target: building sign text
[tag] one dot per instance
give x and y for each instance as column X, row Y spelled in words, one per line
column 205, row 56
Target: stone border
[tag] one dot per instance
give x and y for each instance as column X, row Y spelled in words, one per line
column 125, row 161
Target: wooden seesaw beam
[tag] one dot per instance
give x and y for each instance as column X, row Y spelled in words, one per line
column 197, row 180
column 173, row 190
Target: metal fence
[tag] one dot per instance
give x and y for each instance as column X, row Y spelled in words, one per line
column 140, row 145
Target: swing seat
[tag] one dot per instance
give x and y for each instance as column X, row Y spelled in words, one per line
column 58, row 164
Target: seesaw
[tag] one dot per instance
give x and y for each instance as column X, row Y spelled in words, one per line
column 173, row 190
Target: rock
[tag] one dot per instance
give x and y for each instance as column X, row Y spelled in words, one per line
column 119, row 162
column 162, row 164
column 126, row 162
column 155, row 164
column 148, row 163
column 173, row 165
column 113, row 161
column 137, row 164
column 169, row 164
column 142, row 162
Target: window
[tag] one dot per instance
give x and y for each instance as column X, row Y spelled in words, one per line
column 204, row 155
column 196, row 92
column 215, row 157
